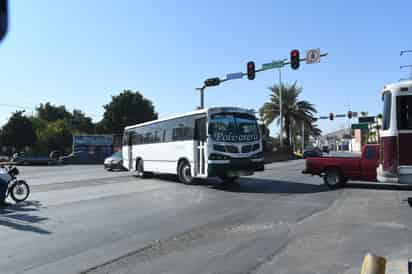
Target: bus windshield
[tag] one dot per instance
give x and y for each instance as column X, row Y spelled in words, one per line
column 233, row 127
column 404, row 107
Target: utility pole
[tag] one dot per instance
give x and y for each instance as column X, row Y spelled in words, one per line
column 303, row 136
column 280, row 109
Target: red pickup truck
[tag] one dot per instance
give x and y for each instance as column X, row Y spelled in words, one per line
column 336, row 171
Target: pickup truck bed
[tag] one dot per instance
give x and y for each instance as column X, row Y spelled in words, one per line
column 336, row 171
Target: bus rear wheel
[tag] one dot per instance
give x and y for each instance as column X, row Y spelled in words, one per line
column 184, row 173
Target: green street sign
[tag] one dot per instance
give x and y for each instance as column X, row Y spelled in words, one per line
column 360, row 126
column 274, row 64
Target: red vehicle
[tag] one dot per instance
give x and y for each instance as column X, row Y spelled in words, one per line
column 395, row 163
column 336, row 171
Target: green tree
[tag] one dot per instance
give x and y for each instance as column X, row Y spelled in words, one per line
column 51, row 113
column 18, row 132
column 294, row 111
column 39, row 126
column 55, row 136
column 77, row 121
column 125, row 109
column 80, row 123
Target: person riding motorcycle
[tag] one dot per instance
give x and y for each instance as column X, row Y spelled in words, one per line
column 4, row 181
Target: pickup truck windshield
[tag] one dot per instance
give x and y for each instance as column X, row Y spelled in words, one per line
column 233, row 128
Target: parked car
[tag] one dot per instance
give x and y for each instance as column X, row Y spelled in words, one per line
column 314, row 152
column 80, row 157
column 336, row 171
column 55, row 154
column 114, row 162
column 325, row 149
column 22, row 159
column 4, row 158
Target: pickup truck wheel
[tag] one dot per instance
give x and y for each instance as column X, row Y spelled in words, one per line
column 333, row 178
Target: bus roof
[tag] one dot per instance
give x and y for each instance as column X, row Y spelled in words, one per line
column 200, row 111
column 398, row 85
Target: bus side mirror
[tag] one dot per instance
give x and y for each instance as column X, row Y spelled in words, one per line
column 4, row 20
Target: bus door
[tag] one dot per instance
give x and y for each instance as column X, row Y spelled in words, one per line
column 130, row 149
column 200, row 146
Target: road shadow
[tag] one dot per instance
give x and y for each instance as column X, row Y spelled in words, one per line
column 20, row 217
column 250, row 185
column 379, row 186
column 266, row 186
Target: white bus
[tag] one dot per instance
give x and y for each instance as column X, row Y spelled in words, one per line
column 220, row 142
column 395, row 161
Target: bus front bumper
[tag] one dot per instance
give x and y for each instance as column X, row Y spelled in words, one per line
column 234, row 167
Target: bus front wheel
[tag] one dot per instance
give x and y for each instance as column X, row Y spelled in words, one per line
column 184, row 173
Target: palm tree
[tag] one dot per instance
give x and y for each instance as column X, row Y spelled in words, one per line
column 314, row 130
column 293, row 110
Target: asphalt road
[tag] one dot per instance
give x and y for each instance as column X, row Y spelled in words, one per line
column 84, row 219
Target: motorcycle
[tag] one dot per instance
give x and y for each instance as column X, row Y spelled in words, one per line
column 19, row 190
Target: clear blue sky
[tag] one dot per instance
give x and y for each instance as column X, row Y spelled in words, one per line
column 79, row 53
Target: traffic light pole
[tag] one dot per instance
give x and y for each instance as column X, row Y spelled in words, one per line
column 216, row 81
column 202, row 96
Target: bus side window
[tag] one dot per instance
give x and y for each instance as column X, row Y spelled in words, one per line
column 387, row 101
column 164, row 135
column 200, row 129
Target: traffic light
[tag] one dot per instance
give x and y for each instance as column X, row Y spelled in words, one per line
column 3, row 18
column 212, row 82
column 350, row 114
column 250, row 67
column 331, row 116
column 294, row 59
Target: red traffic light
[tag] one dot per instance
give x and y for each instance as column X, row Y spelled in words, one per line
column 250, row 67
column 331, row 116
column 350, row 114
column 294, row 59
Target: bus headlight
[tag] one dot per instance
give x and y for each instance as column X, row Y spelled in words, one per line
column 219, row 148
column 255, row 147
column 215, row 156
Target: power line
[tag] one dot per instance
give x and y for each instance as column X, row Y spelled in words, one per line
column 97, row 116
column 407, row 66
column 15, row 106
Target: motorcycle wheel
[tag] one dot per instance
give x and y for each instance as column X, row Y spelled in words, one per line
column 20, row 191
